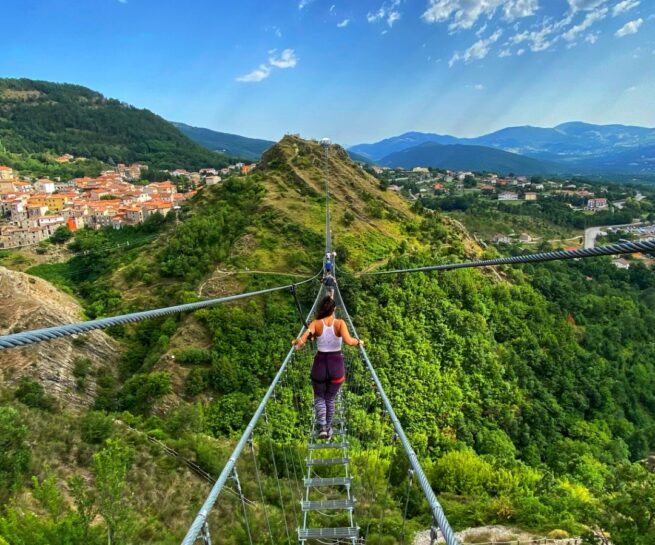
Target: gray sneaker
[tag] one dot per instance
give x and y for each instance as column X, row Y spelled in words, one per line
column 323, row 434
column 330, row 433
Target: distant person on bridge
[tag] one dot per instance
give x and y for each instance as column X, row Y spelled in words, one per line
column 328, row 266
column 328, row 371
column 330, row 283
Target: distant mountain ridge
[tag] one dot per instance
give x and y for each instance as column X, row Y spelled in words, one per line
column 235, row 145
column 223, row 142
column 576, row 145
column 462, row 157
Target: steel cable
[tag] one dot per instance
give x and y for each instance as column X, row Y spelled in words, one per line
column 611, row 249
column 38, row 335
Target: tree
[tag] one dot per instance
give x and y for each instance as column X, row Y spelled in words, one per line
column 49, row 496
column 14, row 452
column 111, row 466
column 629, row 513
column 85, row 503
column 61, row 235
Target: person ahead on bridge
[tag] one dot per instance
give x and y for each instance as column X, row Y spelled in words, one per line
column 330, row 283
column 328, row 371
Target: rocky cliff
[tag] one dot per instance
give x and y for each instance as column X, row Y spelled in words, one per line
column 27, row 302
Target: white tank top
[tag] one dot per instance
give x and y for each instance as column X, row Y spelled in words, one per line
column 328, row 341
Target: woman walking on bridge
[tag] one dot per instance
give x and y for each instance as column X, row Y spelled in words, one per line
column 328, row 371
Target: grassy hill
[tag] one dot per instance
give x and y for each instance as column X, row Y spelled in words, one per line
column 464, row 157
column 39, row 116
column 234, row 145
column 526, row 391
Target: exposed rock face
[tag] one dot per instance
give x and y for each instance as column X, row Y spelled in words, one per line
column 27, row 302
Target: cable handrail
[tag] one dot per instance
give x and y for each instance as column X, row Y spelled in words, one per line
column 437, row 511
column 25, row 338
column 198, row 523
column 611, row 249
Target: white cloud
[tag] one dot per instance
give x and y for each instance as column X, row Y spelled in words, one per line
column 343, row 23
column 287, row 59
column 592, row 17
column 332, row 8
column 122, row 1
column 544, row 38
column 479, row 50
column 592, row 37
column 478, row 87
column 518, row 9
column 304, row 3
column 393, row 17
column 258, row 74
column 629, row 28
column 505, row 53
column 387, row 12
column 585, row 5
column 464, row 14
column 623, row 6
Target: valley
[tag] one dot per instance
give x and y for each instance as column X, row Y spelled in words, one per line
column 526, row 391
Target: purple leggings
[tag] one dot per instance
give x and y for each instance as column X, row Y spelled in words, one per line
column 328, row 366
column 324, row 397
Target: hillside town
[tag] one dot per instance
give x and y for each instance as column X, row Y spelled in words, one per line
column 31, row 210
column 421, row 181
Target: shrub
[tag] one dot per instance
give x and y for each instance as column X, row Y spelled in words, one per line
column 142, row 390
column 196, row 382
column 14, row 451
column 193, row 356
column 32, row 394
column 95, row 427
column 81, row 368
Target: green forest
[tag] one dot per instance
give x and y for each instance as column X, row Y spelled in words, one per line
column 42, row 117
column 528, row 392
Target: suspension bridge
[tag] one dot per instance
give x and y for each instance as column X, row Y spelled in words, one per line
column 286, row 485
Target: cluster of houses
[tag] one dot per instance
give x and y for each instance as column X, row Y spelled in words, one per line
column 493, row 186
column 32, row 210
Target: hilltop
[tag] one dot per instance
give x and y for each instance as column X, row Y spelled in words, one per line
column 40, row 116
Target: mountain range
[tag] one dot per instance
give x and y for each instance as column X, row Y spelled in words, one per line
column 573, row 147
column 223, row 142
column 462, row 157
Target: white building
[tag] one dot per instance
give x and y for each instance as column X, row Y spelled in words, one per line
column 508, row 196
column 45, row 185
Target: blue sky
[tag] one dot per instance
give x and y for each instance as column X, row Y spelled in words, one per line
column 353, row 70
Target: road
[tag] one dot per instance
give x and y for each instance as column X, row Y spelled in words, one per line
column 591, row 233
